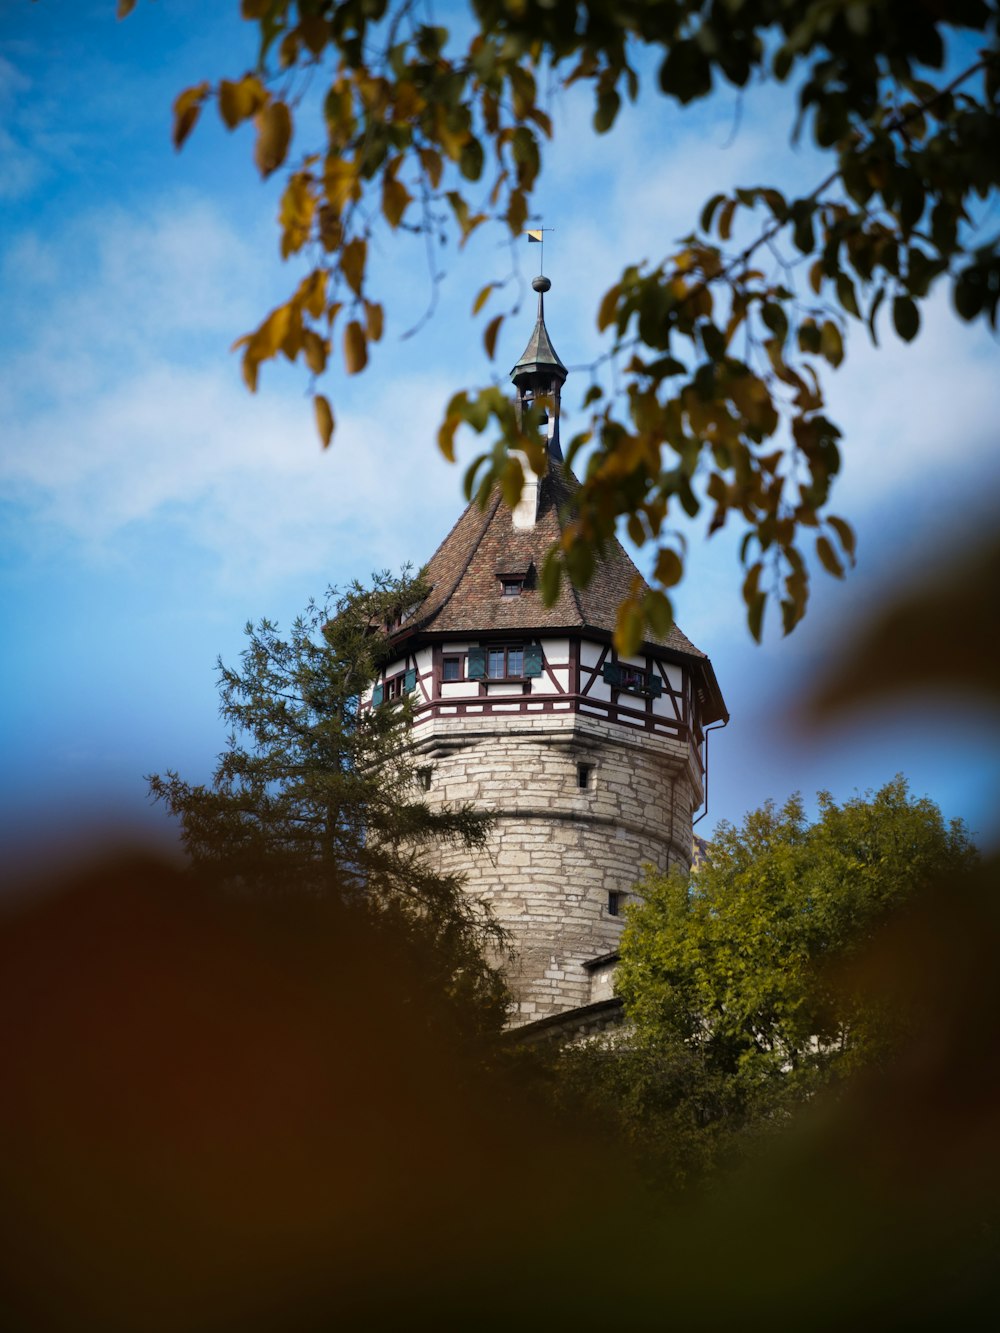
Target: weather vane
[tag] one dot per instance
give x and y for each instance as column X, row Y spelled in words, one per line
column 537, row 235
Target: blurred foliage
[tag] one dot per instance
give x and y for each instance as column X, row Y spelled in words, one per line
column 318, row 794
column 741, row 1002
column 711, row 393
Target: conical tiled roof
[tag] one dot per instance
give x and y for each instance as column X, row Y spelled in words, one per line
column 466, row 596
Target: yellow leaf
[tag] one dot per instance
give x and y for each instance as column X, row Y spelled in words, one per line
column 340, row 180
column 482, row 298
column 240, row 101
column 273, row 332
column 274, row 134
column 316, row 350
column 296, row 213
column 352, row 263
column 331, row 233
column 430, row 160
column 446, row 436
column 395, row 198
column 125, row 8
column 249, row 368
column 312, row 292
column 374, row 320
column 490, row 335
column 355, row 348
column 187, row 109
column 629, row 627
column 324, row 419
column 255, row 9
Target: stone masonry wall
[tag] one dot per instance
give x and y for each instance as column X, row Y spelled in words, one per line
column 558, row 849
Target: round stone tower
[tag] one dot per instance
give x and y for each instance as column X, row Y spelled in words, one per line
column 591, row 763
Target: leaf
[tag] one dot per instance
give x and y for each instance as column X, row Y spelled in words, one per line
column 828, row 557
column 374, row 321
column 831, row 343
column 395, row 200
column 355, row 348
column 708, row 212
column 609, row 304
column 187, row 109
column 755, row 614
column 847, row 296
column 324, row 419
column 669, row 567
column 550, row 579
column 274, row 134
column 490, row 335
column 483, row 297
column 726, row 219
column 352, row 263
column 240, row 101
column 432, row 164
column 125, row 8
column 845, row 534
column 315, row 349
column 905, row 317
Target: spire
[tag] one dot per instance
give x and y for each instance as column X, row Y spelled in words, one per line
column 540, row 373
column 539, row 357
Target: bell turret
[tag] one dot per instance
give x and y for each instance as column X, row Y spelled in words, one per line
column 539, row 373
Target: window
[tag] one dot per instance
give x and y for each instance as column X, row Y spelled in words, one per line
column 451, row 668
column 405, row 682
column 583, row 775
column 511, row 587
column 634, row 679
column 424, row 778
column 504, row 663
column 615, row 902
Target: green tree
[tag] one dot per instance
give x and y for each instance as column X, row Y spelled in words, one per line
column 317, row 795
column 737, row 979
column 717, row 347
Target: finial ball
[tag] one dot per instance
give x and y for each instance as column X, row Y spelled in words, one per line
column 541, row 283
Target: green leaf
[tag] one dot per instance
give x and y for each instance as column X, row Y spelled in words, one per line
column 905, row 317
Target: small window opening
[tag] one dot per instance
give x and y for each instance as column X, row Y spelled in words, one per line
column 614, row 902
column 511, row 587
column 583, row 775
column 451, row 668
column 424, row 778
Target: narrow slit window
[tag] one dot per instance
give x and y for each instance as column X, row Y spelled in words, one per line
column 584, row 775
column 614, row 902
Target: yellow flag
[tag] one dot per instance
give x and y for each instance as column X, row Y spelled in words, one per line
column 534, row 235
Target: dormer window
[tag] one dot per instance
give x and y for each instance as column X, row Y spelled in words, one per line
column 514, row 576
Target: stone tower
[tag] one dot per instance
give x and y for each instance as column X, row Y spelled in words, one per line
column 591, row 763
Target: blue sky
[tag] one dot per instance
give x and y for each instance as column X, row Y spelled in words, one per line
column 150, row 506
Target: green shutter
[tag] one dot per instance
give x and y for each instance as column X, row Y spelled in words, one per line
column 655, row 684
column 533, row 659
column 475, row 667
column 612, row 673
column 410, row 680
column 377, row 694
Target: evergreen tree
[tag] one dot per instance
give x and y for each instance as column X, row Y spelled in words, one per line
column 317, row 794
